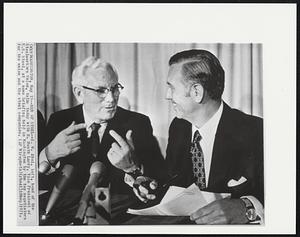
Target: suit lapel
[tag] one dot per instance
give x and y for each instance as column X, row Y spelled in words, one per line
column 78, row 118
column 188, row 165
column 222, row 156
column 113, row 124
column 181, row 163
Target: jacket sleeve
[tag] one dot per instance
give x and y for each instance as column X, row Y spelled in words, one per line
column 148, row 151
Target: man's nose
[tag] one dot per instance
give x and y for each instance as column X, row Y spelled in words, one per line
column 110, row 96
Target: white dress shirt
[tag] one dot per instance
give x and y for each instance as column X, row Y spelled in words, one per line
column 208, row 133
column 88, row 122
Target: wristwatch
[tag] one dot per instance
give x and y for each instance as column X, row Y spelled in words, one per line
column 135, row 173
column 250, row 210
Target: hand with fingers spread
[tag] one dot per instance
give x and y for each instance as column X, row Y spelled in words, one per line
column 223, row 211
column 121, row 154
column 65, row 143
column 144, row 188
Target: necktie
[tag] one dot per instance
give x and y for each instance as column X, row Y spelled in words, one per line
column 198, row 161
column 95, row 139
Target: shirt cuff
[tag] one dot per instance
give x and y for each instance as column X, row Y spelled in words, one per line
column 128, row 179
column 44, row 165
column 259, row 209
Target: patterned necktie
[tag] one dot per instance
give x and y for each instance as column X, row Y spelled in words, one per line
column 198, row 161
column 95, row 139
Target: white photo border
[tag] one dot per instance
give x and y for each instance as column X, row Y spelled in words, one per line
column 273, row 25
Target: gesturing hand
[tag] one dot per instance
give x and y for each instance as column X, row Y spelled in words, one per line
column 224, row 211
column 121, row 153
column 143, row 188
column 65, row 143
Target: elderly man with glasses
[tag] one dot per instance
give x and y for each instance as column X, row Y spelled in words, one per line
column 98, row 130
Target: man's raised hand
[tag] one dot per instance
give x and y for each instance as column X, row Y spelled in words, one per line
column 144, row 188
column 65, row 143
column 121, row 154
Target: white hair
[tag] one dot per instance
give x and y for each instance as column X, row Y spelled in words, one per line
column 91, row 65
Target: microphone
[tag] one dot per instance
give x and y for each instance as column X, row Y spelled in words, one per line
column 97, row 171
column 61, row 184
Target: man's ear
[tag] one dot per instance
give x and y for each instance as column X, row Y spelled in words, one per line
column 78, row 93
column 197, row 93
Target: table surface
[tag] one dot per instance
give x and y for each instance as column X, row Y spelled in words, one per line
column 158, row 220
column 119, row 205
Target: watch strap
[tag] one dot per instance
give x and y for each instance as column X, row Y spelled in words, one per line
column 250, row 210
column 247, row 203
column 135, row 173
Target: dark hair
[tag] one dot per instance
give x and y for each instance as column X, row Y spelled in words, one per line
column 201, row 66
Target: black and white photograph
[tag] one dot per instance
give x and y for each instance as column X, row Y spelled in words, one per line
column 149, row 118
column 174, row 132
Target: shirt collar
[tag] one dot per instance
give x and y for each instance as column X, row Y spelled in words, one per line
column 209, row 129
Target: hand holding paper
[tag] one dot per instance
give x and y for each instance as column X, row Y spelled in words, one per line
column 180, row 202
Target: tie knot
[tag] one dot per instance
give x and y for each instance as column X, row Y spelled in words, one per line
column 95, row 127
column 197, row 136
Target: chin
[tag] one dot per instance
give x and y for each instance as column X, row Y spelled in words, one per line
column 178, row 113
column 179, row 116
column 109, row 115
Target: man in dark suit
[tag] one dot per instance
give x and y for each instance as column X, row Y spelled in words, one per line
column 211, row 144
column 72, row 134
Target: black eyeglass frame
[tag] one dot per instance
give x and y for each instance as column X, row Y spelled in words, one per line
column 103, row 91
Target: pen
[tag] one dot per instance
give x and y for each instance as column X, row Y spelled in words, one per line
column 170, row 180
column 160, row 188
column 159, row 192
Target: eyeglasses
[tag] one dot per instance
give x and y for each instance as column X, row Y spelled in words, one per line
column 103, row 91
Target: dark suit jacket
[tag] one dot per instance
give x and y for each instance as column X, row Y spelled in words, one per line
column 237, row 152
column 146, row 147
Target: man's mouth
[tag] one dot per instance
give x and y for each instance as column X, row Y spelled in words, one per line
column 110, row 107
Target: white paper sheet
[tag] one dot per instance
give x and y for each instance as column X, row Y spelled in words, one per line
column 180, row 202
column 172, row 192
